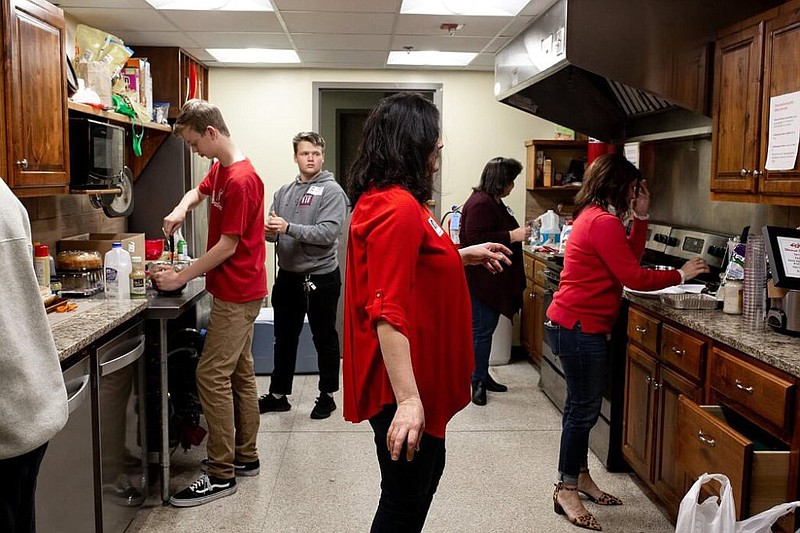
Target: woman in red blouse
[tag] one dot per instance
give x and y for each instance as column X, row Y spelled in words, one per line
column 599, row 259
column 407, row 353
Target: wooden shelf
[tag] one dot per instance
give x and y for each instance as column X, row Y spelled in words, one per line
column 115, row 117
column 557, row 189
column 113, row 190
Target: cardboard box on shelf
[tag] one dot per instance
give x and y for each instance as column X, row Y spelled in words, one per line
column 101, row 242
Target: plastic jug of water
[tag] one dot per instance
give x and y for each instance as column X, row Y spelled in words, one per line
column 550, row 229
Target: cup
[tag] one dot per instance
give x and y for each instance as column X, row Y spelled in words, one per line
column 153, row 249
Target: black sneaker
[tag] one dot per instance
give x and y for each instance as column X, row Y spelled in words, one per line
column 324, row 407
column 240, row 469
column 268, row 403
column 205, row 489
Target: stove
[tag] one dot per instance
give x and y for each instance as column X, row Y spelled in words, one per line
column 666, row 245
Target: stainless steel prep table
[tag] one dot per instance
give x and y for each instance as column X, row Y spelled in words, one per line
column 164, row 308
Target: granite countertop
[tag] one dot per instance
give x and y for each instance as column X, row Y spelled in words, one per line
column 531, row 250
column 776, row 349
column 84, row 327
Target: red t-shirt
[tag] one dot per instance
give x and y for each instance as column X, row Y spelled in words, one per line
column 403, row 269
column 598, row 261
column 236, row 207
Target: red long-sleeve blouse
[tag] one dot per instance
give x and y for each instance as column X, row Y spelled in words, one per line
column 403, row 269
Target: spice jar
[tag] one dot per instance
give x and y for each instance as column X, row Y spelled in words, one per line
column 732, row 304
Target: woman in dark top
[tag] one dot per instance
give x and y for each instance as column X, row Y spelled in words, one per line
column 486, row 218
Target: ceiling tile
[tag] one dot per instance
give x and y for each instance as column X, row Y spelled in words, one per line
column 200, row 54
column 444, row 43
column 111, row 20
column 351, row 6
column 536, row 7
column 316, row 41
column 355, row 23
column 224, row 21
column 516, row 26
column 104, row 4
column 430, row 25
column 343, row 57
column 240, row 40
column 155, row 38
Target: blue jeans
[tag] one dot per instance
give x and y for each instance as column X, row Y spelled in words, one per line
column 484, row 322
column 583, row 358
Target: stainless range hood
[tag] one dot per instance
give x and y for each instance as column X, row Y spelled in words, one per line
column 613, row 69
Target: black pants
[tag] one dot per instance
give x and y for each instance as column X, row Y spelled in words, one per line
column 407, row 488
column 291, row 302
column 18, row 491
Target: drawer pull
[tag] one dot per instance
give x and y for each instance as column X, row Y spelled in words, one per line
column 679, row 353
column 706, row 440
column 740, row 386
column 640, row 329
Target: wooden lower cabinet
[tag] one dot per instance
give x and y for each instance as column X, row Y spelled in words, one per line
column 532, row 317
column 527, row 319
column 637, row 428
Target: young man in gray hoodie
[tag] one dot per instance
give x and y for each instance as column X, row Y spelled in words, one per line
column 306, row 219
column 33, row 398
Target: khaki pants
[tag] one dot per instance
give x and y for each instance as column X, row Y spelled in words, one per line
column 226, row 384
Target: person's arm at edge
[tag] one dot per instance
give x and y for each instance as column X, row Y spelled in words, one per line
column 409, row 421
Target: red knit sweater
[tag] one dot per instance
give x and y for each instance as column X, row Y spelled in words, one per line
column 599, row 259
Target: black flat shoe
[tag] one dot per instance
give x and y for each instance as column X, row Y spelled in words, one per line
column 479, row 392
column 493, row 386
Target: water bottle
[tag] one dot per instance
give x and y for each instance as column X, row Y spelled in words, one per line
column 455, row 226
column 180, row 246
column 117, row 270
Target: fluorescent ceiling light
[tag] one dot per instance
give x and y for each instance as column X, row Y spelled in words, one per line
column 431, row 58
column 253, row 55
column 467, row 8
column 212, row 5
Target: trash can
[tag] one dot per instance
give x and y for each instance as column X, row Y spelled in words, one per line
column 264, row 344
column 501, row 342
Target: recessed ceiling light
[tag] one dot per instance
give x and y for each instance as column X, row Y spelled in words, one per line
column 467, row 8
column 212, row 5
column 431, row 58
column 253, row 55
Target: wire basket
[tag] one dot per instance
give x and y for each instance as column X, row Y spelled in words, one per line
column 690, row 301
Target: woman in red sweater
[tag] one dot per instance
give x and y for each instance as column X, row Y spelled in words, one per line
column 599, row 259
column 402, row 370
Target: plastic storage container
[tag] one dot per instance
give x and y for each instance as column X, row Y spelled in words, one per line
column 117, row 270
column 264, row 342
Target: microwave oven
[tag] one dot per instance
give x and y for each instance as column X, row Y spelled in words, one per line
column 97, row 153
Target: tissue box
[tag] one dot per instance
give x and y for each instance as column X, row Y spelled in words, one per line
column 101, row 242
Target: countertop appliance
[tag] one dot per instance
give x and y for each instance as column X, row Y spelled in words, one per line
column 614, row 70
column 97, row 153
column 65, row 489
column 783, row 250
column 172, row 172
column 666, row 245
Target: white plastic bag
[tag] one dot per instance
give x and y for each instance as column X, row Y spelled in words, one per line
column 762, row 522
column 710, row 516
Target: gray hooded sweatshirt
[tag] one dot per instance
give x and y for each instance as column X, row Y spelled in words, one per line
column 315, row 210
column 33, row 399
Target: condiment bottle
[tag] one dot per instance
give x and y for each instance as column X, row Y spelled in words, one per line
column 137, row 279
column 41, row 264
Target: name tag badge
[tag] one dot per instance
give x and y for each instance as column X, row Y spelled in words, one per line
column 439, row 231
column 315, row 190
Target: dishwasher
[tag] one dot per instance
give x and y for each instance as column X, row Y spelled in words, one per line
column 122, row 428
column 65, row 486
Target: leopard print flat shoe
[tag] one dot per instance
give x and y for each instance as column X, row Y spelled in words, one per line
column 585, row 521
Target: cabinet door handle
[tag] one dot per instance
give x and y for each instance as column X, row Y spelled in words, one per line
column 23, row 163
column 706, row 440
column 756, row 173
column 657, row 386
column 648, row 380
column 744, row 172
column 740, row 386
column 679, row 353
column 640, row 329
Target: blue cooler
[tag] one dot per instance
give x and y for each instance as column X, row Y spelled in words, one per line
column 264, row 344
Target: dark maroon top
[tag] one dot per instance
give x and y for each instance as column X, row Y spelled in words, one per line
column 485, row 219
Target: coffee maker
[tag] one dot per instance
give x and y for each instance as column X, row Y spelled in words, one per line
column 783, row 289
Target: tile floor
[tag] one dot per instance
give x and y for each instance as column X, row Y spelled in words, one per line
column 322, row 475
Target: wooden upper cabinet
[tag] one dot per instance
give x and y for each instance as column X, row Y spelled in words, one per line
column 177, row 76
column 781, row 76
column 755, row 61
column 37, row 133
column 737, row 109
